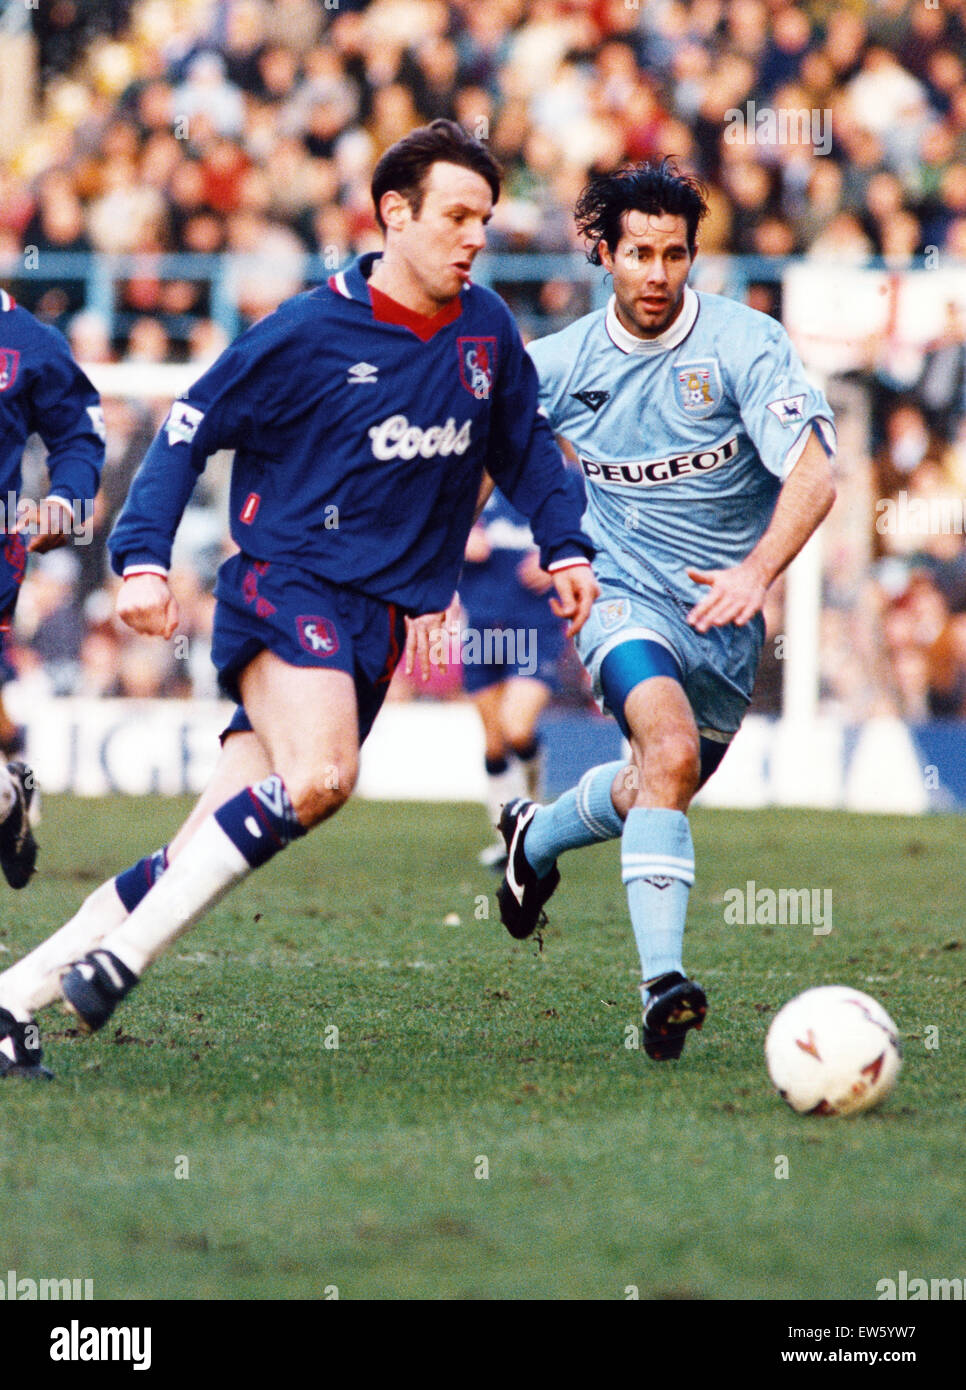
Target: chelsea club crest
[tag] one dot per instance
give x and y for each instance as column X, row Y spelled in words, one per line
column 477, row 357
column 698, row 387
column 9, row 362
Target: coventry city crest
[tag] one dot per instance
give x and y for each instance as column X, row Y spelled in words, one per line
column 698, row 387
column 612, row 613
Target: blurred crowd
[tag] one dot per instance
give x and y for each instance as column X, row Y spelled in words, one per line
column 207, row 126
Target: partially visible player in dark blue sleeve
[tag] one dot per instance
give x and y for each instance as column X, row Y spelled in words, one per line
column 42, row 391
column 510, row 650
column 362, row 415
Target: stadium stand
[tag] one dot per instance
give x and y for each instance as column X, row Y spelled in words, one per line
column 176, row 169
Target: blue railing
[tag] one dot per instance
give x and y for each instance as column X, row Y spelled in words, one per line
column 98, row 279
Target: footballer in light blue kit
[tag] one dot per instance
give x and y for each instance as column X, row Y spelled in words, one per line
column 706, row 455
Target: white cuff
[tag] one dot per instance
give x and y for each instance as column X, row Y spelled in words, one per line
column 567, row 564
column 131, row 570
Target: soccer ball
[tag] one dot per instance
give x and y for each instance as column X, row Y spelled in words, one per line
column 833, row 1051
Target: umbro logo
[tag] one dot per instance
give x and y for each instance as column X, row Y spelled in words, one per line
column 593, row 399
column 362, row 371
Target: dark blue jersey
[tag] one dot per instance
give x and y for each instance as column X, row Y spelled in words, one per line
column 43, row 391
column 360, row 434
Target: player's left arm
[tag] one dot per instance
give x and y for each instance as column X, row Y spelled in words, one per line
column 736, row 594
column 65, row 410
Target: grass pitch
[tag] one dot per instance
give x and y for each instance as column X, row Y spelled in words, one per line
column 482, row 1128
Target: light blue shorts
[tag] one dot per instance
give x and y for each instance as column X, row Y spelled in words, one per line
column 718, row 667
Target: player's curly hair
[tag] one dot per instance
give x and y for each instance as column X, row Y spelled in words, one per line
column 404, row 166
column 654, row 188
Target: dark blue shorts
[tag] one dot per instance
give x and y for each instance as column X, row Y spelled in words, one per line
column 509, row 631
column 13, row 562
column 491, row 655
column 305, row 621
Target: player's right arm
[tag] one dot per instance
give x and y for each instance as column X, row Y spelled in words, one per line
column 790, row 423
column 736, row 594
column 141, row 540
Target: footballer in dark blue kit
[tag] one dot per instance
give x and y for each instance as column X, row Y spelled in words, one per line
column 358, row 483
column 42, row 391
column 364, row 415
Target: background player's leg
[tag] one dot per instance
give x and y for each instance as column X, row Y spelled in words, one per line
column 8, row 793
column 504, row 780
column 34, row 981
column 18, row 848
column 306, row 719
column 12, row 736
column 524, row 700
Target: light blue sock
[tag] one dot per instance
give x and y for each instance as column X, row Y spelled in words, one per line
column 582, row 816
column 657, row 866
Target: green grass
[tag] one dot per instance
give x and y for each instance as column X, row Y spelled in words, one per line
column 310, row 1166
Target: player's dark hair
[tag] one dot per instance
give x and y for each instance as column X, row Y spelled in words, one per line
column 404, row 166
column 654, row 188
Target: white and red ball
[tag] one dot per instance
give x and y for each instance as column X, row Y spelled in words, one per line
column 833, row 1051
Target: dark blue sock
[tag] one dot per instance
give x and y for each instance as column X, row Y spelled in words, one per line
column 133, row 883
column 260, row 820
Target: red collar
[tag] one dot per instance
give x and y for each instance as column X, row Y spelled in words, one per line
column 386, row 310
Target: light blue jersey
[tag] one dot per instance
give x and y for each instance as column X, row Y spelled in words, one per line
column 683, row 439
